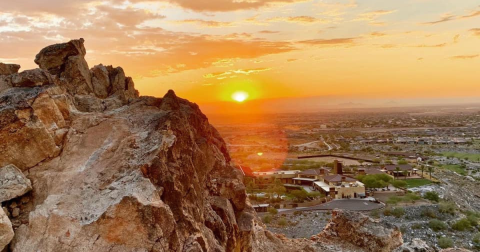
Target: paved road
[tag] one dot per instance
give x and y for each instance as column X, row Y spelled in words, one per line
column 346, row 204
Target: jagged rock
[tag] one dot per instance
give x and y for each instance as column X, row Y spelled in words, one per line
column 13, row 183
column 100, row 81
column 363, row 231
column 28, row 118
column 7, row 69
column 31, row 78
column 53, row 58
column 76, row 74
column 6, row 230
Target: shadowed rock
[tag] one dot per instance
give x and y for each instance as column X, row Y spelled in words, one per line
column 53, row 58
column 7, row 69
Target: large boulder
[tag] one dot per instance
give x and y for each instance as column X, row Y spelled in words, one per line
column 7, row 69
column 53, row 58
column 31, row 78
column 13, row 183
column 362, row 231
column 6, row 230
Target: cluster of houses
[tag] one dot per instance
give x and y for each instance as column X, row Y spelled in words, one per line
column 332, row 183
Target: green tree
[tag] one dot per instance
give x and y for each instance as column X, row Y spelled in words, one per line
column 430, row 170
column 422, row 168
column 399, row 184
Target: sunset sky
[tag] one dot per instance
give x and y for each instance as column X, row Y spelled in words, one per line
column 206, row 50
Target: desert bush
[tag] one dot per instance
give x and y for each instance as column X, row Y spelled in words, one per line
column 432, row 196
column 412, row 197
column 394, row 200
column 462, row 225
column 375, row 214
column 272, row 210
column 430, row 213
column 267, row 219
column 447, row 207
column 437, row 225
column 387, row 211
column 476, row 239
column 282, row 222
column 445, row 242
column 417, row 226
column 398, row 212
column 473, row 217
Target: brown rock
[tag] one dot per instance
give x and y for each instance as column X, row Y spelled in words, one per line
column 16, row 212
column 6, row 230
column 7, row 69
column 13, row 183
column 362, row 231
column 31, row 78
column 76, row 74
column 100, row 81
column 53, row 58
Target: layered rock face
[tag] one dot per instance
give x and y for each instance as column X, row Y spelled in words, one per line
column 112, row 171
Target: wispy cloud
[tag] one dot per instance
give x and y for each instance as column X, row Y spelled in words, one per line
column 475, row 31
column 234, row 73
column 463, row 57
column 298, row 19
column 431, row 46
column 205, row 23
column 450, row 17
column 335, row 41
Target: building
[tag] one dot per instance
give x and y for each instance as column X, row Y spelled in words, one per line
column 392, row 170
column 307, row 177
column 286, row 177
column 339, row 187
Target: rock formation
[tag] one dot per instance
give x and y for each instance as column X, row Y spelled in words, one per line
column 112, row 171
column 13, row 183
column 6, row 231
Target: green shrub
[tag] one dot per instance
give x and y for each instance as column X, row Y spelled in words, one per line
column 398, row 212
column 282, row 222
column 447, row 207
column 272, row 210
column 437, row 225
column 445, row 242
column 476, row 239
column 462, row 225
column 399, row 184
column 375, row 214
column 393, row 200
column 412, row 197
column 417, row 226
column 432, row 196
column 430, row 213
column 267, row 219
column 474, row 218
column 387, row 211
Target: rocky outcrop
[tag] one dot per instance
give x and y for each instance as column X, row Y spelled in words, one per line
column 362, row 231
column 6, row 231
column 55, row 57
column 13, row 183
column 416, row 245
column 7, row 69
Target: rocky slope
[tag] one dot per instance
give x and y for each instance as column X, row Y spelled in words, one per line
column 107, row 170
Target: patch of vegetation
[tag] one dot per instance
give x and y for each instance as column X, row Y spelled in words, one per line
column 476, row 240
column 417, row 226
column 462, row 225
column 437, row 225
column 447, row 207
column 375, row 180
column 267, row 219
column 459, row 155
column 282, row 222
column 432, row 196
column 455, row 168
column 411, row 183
column 375, row 214
column 398, row 212
column 445, row 242
column 272, row 211
column 430, row 213
column 399, row 183
column 473, row 218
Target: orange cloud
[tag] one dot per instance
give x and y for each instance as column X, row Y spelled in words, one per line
column 231, row 73
column 298, row 19
column 431, row 46
column 205, row 23
column 465, row 56
column 475, row 31
column 335, row 41
column 226, row 5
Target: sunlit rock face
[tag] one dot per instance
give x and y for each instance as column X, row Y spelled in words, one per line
column 112, row 171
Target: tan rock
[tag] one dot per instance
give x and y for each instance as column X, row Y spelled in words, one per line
column 6, row 230
column 53, row 58
column 7, row 69
column 362, row 231
column 13, row 183
column 100, row 81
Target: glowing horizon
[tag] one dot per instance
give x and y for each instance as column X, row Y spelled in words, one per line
column 269, row 49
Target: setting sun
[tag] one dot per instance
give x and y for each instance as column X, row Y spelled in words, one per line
column 240, row 96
